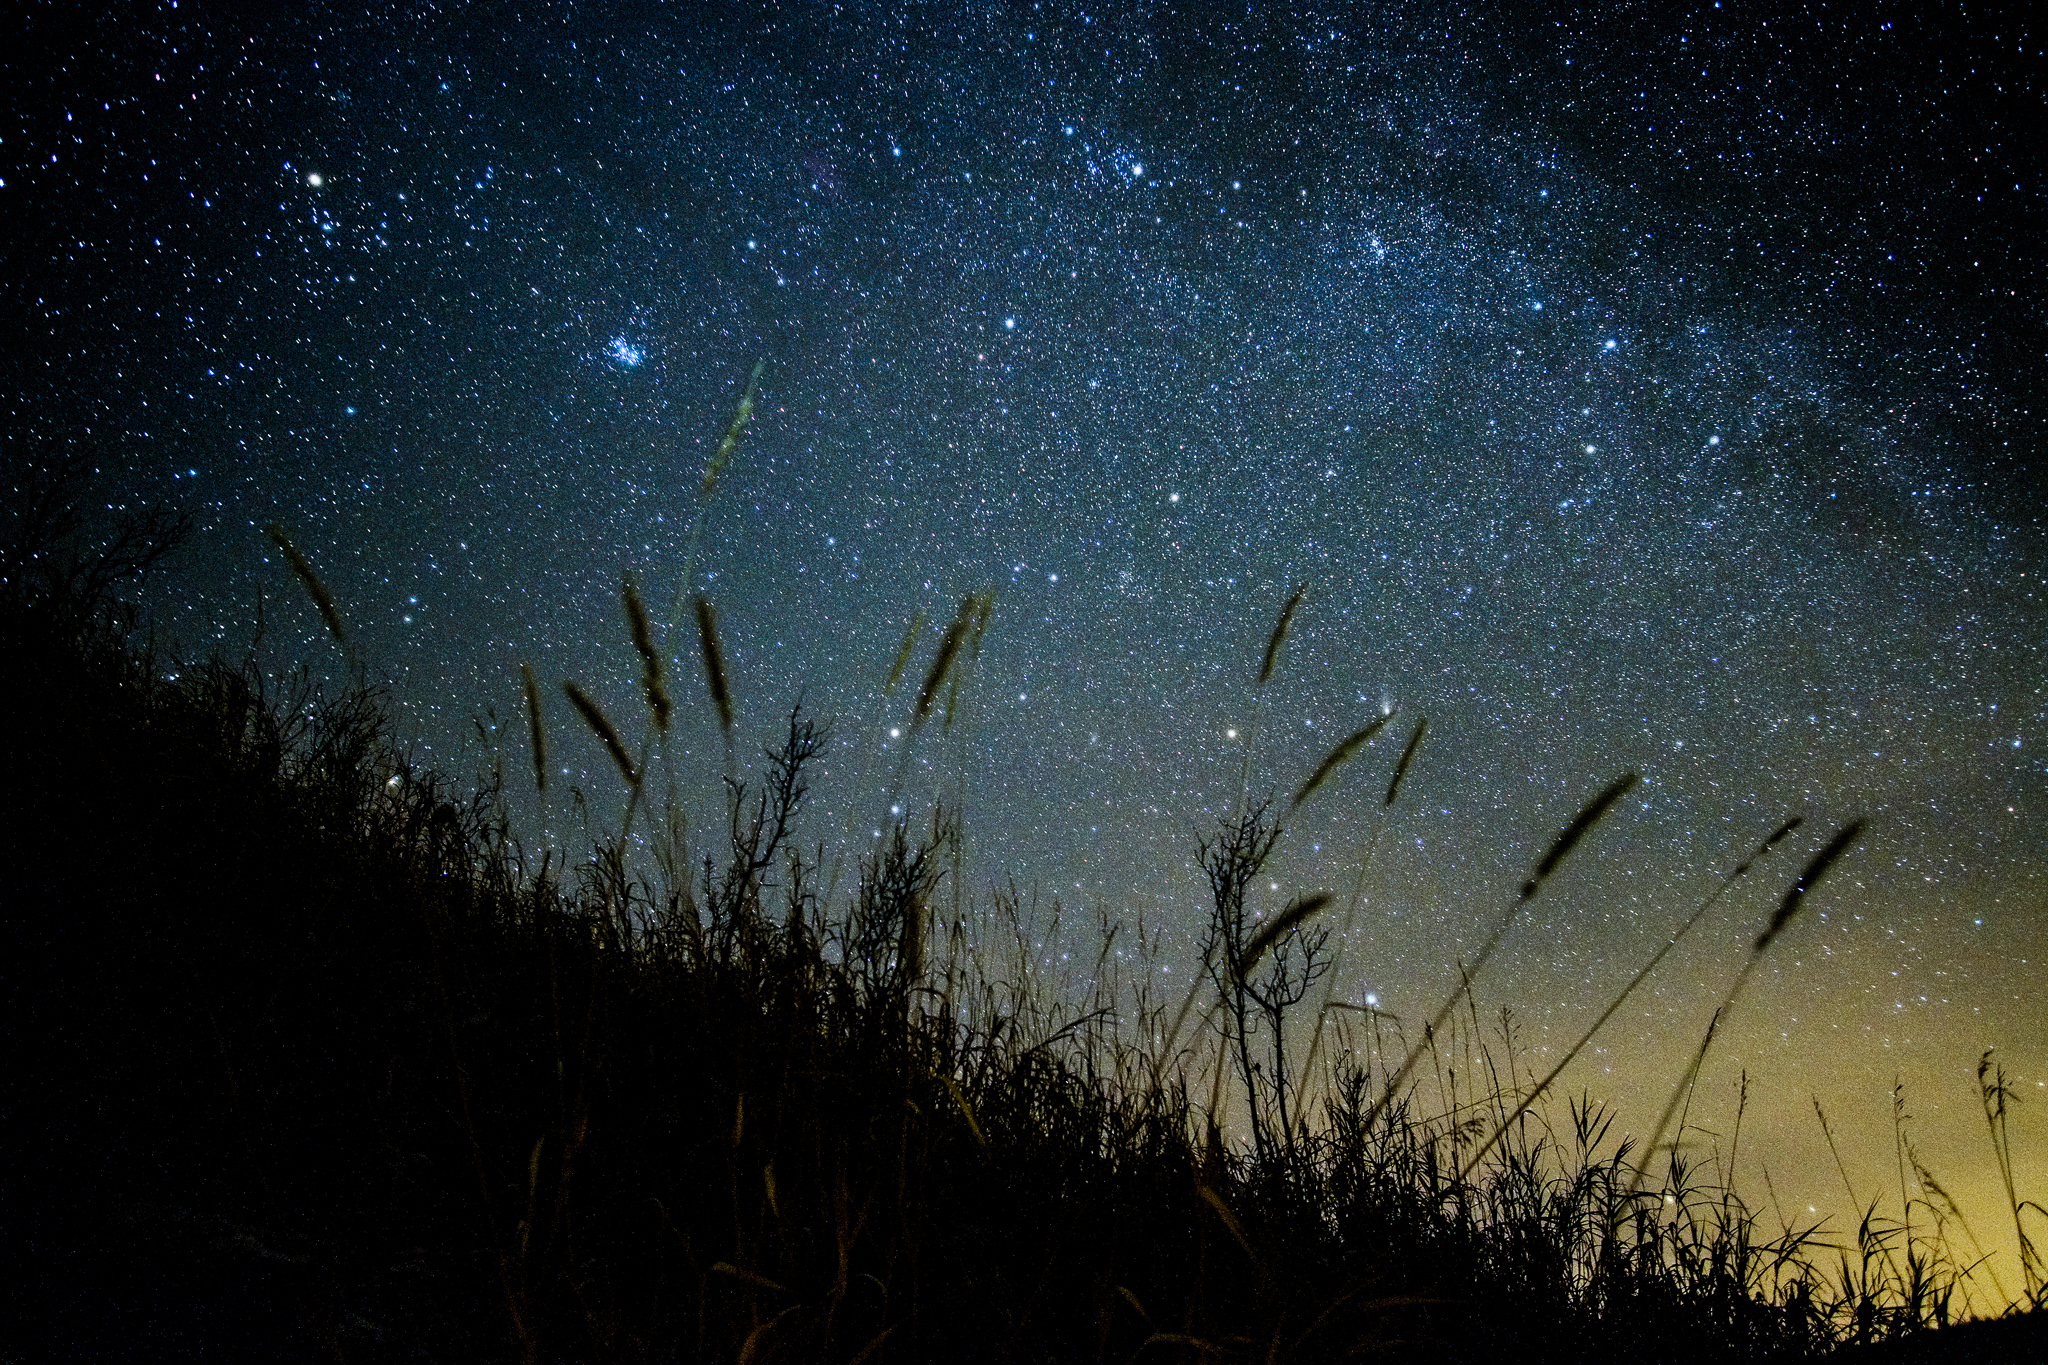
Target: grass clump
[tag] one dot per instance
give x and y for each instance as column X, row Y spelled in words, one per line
column 313, row 1060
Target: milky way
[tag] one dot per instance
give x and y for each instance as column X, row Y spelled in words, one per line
column 1647, row 393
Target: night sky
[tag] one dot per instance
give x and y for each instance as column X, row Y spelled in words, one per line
column 1647, row 388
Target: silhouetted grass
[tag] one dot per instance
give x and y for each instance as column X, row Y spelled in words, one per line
column 310, row 1059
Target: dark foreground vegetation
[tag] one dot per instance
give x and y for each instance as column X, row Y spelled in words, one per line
column 306, row 1060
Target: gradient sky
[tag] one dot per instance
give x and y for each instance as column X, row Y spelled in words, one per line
column 1647, row 388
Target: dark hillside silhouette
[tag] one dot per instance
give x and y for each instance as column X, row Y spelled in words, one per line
column 308, row 1060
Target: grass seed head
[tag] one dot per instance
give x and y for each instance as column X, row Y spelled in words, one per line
column 1338, row 757
column 540, row 741
column 1407, row 758
column 1809, row 877
column 730, row 442
column 903, row 651
column 594, row 717
column 714, row 662
column 1279, row 634
column 642, row 631
column 1582, row 824
column 1297, row 913
column 1779, row 834
column 315, row 589
column 949, row 650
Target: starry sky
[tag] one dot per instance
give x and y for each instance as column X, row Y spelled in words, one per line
column 1634, row 387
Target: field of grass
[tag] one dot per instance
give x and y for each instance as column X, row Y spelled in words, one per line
column 309, row 1058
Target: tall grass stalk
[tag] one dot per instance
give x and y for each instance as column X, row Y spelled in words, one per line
column 1267, row 663
column 1793, row 902
column 1537, row 1091
column 323, row 600
column 1566, row 840
column 1356, row 900
column 686, row 585
column 1997, row 1096
column 537, row 732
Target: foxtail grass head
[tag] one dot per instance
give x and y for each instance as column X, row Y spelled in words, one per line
column 948, row 654
column 540, row 742
column 1407, row 759
column 1809, row 877
column 730, row 442
column 715, row 676
column 642, row 631
column 1279, row 635
column 1296, row 914
column 903, row 651
column 1778, row 836
column 594, row 717
column 984, row 606
column 1337, row 758
column 302, row 568
column 1582, row 824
